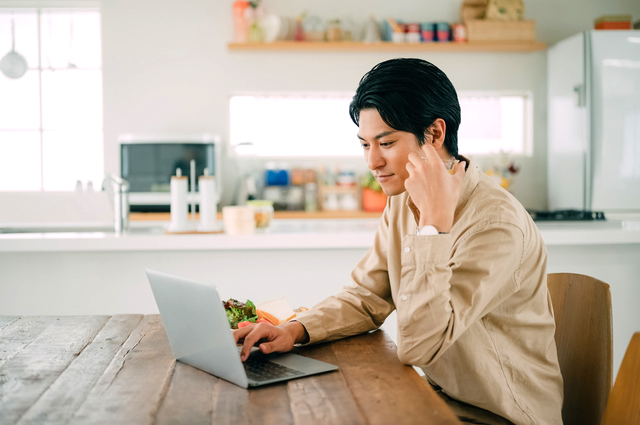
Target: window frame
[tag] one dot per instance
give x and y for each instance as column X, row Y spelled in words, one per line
column 528, row 109
column 527, row 148
column 41, row 8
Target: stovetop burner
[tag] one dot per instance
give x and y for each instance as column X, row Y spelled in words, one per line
column 567, row 215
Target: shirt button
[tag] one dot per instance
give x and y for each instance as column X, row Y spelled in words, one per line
column 407, row 249
column 403, row 298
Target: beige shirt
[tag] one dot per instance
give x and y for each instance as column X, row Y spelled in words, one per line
column 473, row 307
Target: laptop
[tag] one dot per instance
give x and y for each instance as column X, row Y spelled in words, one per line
column 200, row 336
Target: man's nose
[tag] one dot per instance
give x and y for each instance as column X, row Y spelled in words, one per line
column 375, row 158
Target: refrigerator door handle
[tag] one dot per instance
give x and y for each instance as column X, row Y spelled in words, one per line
column 581, row 95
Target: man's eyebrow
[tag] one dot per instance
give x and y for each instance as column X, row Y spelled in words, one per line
column 381, row 135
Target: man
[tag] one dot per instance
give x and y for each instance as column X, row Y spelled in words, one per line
column 457, row 256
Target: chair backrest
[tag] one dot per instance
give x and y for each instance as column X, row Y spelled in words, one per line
column 582, row 309
column 623, row 406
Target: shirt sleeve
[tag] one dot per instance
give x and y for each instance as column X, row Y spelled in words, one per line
column 361, row 306
column 446, row 286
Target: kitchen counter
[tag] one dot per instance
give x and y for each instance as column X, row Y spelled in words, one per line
column 289, row 234
column 303, row 260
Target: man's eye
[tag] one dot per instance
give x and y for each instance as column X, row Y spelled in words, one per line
column 364, row 146
column 386, row 144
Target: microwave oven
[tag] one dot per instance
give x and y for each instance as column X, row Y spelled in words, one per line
column 148, row 162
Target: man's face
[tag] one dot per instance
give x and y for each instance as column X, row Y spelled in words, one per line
column 386, row 151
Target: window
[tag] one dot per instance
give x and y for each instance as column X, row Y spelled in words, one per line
column 313, row 125
column 51, row 117
column 495, row 122
column 296, row 125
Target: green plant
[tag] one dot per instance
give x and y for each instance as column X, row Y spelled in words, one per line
column 369, row 181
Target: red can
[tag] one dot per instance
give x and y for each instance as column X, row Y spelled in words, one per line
column 413, row 27
column 459, row 33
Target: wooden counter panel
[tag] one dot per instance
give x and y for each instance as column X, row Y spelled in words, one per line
column 138, row 216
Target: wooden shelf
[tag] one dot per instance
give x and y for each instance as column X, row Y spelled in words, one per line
column 325, row 46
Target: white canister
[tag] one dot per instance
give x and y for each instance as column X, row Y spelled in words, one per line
column 239, row 220
column 179, row 207
column 208, row 202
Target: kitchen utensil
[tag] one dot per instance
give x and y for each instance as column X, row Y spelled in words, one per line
column 371, row 32
column 13, row 64
column 271, row 25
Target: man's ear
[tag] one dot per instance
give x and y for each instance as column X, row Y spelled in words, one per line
column 438, row 131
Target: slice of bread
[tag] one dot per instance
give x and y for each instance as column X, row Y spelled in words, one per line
column 275, row 311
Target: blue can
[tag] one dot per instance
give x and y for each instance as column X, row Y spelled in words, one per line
column 442, row 31
column 427, row 31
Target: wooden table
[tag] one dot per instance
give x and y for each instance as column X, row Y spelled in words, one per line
column 120, row 370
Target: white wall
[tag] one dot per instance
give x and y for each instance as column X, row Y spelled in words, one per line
column 167, row 68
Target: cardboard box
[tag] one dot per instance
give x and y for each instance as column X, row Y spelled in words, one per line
column 613, row 22
column 472, row 9
column 484, row 30
column 613, row 26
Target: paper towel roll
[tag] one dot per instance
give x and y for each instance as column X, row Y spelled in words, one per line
column 208, row 204
column 179, row 207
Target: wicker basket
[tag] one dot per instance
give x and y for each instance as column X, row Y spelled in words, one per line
column 484, row 30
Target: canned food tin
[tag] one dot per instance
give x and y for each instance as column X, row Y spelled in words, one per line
column 459, row 33
column 442, row 31
column 427, row 31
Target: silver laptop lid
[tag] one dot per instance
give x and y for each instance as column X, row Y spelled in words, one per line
column 197, row 326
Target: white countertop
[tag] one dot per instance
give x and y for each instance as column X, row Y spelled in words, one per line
column 290, row 234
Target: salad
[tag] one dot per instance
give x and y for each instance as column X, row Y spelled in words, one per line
column 238, row 312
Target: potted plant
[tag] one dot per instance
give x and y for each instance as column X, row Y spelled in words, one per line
column 373, row 198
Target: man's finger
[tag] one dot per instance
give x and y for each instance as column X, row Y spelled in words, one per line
column 460, row 169
column 410, row 167
column 268, row 347
column 259, row 332
column 414, row 159
column 239, row 334
column 430, row 152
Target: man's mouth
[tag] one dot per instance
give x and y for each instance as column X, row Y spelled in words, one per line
column 383, row 177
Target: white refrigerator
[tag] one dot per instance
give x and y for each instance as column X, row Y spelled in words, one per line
column 593, row 112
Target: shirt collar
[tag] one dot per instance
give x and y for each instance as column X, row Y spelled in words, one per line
column 469, row 183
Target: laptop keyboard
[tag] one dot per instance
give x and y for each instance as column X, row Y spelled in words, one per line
column 264, row 370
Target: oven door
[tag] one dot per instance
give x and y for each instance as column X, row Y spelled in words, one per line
column 148, row 163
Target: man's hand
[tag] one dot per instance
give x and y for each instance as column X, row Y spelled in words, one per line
column 269, row 338
column 432, row 189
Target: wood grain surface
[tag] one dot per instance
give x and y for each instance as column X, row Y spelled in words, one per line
column 584, row 337
column 623, row 406
column 120, row 369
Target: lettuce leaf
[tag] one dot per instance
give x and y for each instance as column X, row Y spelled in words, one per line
column 239, row 312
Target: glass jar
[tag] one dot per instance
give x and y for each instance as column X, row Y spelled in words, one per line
column 263, row 213
column 334, row 31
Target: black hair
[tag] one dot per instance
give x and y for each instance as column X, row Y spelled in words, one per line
column 410, row 94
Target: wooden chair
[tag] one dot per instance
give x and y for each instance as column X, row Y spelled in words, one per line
column 582, row 309
column 623, row 406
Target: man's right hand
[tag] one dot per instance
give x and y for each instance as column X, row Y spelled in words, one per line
column 269, row 338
